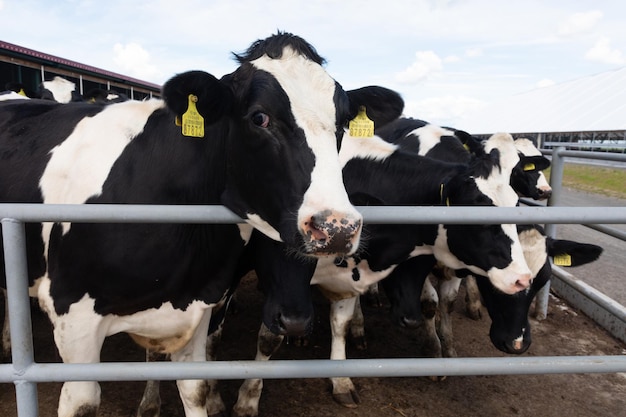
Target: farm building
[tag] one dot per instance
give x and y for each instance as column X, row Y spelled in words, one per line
column 588, row 113
column 30, row 68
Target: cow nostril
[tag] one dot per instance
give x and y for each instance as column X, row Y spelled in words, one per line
column 317, row 234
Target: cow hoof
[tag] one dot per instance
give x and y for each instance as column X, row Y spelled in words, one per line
column 149, row 411
column 474, row 314
column 347, row 399
column 248, row 413
column 437, row 378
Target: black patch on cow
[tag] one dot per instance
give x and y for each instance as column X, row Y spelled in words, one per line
column 356, row 275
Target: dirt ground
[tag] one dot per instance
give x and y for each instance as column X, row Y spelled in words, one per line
column 565, row 332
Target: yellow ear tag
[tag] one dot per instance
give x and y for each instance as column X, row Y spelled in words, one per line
column 466, row 146
column 563, row 260
column 192, row 122
column 529, row 167
column 22, row 92
column 361, row 126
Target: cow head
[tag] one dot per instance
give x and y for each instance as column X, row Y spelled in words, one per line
column 490, row 250
column 284, row 117
column 527, row 178
column 510, row 327
column 285, row 281
column 60, row 90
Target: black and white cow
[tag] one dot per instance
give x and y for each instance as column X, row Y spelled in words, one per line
column 98, row 95
column 377, row 172
column 268, row 152
column 510, row 328
column 509, row 313
column 60, row 90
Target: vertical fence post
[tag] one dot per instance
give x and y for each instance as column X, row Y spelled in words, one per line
column 14, row 241
column 556, row 182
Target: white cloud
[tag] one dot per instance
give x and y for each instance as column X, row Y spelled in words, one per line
column 447, row 110
column 546, row 82
column 426, row 63
column 580, row 23
column 473, row 52
column 602, row 51
column 134, row 60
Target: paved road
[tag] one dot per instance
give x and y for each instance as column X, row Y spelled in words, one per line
column 608, row 273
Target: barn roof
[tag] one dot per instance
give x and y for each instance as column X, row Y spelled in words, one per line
column 593, row 103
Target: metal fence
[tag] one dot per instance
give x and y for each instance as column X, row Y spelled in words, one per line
column 25, row 373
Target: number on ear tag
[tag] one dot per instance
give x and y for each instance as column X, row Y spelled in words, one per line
column 361, row 126
column 563, row 260
column 192, row 122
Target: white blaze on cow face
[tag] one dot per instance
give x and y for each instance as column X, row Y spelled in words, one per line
column 311, row 95
column 60, row 88
column 534, row 247
column 527, row 148
column 513, row 278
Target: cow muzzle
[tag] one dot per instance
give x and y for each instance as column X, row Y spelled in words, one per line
column 510, row 282
column 544, row 193
column 327, row 233
column 515, row 346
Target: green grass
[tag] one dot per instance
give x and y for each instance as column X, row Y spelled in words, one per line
column 600, row 180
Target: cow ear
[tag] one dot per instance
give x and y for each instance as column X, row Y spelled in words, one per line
column 534, row 163
column 471, row 143
column 382, row 105
column 214, row 98
column 570, row 253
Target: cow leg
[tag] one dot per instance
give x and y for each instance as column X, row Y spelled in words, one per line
column 6, row 329
column 193, row 393
column 472, row 298
column 357, row 326
column 341, row 312
column 79, row 341
column 250, row 391
column 448, row 291
column 430, row 345
column 150, row 405
column 214, row 404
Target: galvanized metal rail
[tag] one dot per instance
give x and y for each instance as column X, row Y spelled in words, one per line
column 25, row 373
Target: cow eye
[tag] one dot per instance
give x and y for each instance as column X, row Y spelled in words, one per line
column 261, row 119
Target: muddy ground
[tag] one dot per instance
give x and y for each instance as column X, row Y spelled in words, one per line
column 565, row 332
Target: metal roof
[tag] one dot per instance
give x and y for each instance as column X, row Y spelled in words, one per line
column 593, row 103
column 47, row 59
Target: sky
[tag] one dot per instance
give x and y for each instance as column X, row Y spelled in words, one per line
column 447, row 58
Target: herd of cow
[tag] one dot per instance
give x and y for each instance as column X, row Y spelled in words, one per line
column 271, row 142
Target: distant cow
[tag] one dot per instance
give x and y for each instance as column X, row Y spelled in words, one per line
column 60, row 90
column 262, row 141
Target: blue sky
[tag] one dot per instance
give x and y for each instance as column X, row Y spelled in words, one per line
column 447, row 58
